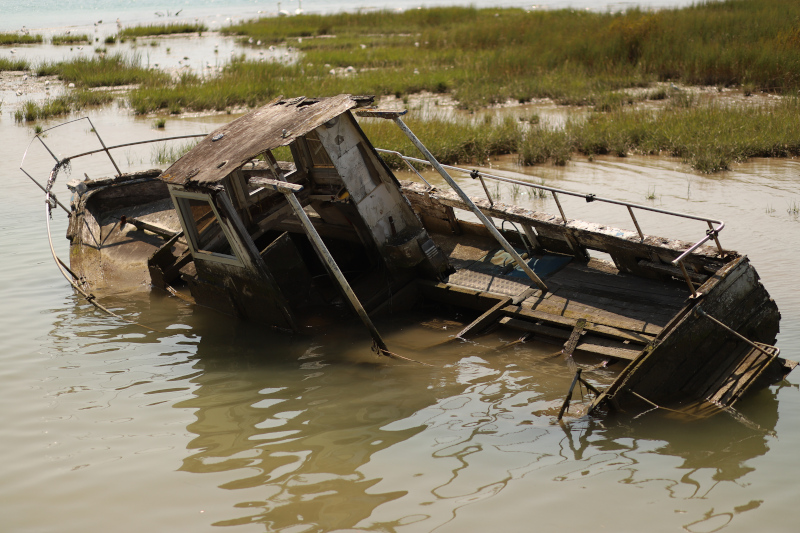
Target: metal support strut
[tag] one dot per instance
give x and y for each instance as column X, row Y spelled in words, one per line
column 289, row 190
column 466, row 199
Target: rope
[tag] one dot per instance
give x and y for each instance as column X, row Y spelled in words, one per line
column 393, row 355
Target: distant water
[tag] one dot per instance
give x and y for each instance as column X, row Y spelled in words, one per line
column 55, row 15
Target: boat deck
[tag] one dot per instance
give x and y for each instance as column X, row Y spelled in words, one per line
column 611, row 313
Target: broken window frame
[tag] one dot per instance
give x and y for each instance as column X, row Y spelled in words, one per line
column 189, row 226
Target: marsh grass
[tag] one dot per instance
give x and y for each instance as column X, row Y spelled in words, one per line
column 69, row 38
column 710, row 136
column 13, row 64
column 31, row 111
column 544, row 143
column 18, row 38
column 488, row 56
column 166, row 154
column 452, row 142
column 109, row 71
column 574, row 57
column 162, row 29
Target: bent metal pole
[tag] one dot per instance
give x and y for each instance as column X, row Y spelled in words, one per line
column 467, row 200
column 333, row 268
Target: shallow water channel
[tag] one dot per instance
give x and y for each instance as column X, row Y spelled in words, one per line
column 204, row 421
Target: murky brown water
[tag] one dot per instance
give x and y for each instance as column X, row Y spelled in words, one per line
column 211, row 422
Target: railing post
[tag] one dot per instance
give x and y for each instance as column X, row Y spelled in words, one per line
column 711, row 231
column 560, row 209
column 119, row 172
column 475, row 174
column 688, row 279
column 636, row 223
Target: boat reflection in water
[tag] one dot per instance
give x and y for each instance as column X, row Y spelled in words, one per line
column 320, row 436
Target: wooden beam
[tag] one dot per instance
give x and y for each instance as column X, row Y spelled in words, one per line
column 485, row 319
column 280, row 186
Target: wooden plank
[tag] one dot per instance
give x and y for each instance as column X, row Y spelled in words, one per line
column 535, row 328
column 572, row 342
column 557, row 305
column 670, row 270
column 608, row 348
column 280, row 186
column 629, row 290
column 643, row 311
column 560, row 329
column 593, row 236
column 485, row 319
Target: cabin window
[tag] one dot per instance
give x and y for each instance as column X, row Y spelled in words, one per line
column 207, row 237
column 319, row 157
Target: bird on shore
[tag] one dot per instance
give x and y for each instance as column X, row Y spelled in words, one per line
column 282, row 12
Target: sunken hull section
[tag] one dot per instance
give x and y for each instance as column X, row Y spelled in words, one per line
column 331, row 232
column 288, row 244
column 698, row 364
column 697, row 354
column 115, row 225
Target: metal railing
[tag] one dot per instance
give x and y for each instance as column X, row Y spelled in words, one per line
column 107, row 149
column 712, row 232
column 714, row 226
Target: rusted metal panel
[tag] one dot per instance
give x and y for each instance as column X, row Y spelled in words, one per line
column 236, row 143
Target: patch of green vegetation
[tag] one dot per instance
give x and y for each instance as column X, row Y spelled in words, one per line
column 109, row 71
column 69, row 38
column 451, row 141
column 20, row 38
column 574, row 57
column 709, row 137
column 166, row 154
column 162, row 29
column 31, row 111
column 111, row 39
column 14, row 64
column 545, row 143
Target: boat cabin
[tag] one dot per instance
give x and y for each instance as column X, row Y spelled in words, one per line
column 250, row 221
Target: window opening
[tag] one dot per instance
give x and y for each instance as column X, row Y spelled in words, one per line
column 206, row 235
column 319, row 157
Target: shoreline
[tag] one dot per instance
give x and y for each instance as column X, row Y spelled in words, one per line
column 594, row 116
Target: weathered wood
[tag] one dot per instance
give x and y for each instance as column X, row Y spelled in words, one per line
column 689, row 352
column 572, row 342
column 625, row 247
column 337, row 274
column 568, row 399
column 595, row 325
column 280, row 186
column 599, row 346
column 591, row 343
column 485, row 319
column 671, row 270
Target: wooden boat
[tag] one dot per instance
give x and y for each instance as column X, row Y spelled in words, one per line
column 289, row 213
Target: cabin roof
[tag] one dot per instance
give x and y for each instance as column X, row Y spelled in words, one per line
column 276, row 124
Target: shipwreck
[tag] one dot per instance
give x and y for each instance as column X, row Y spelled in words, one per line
column 289, row 213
